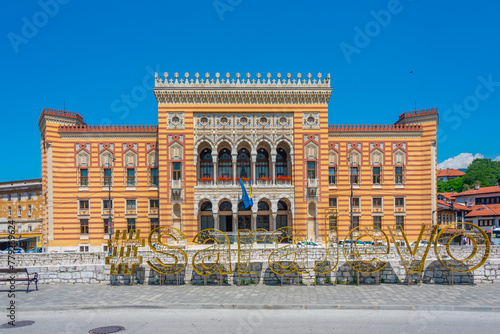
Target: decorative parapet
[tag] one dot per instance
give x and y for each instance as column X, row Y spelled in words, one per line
column 60, row 117
column 108, row 128
column 418, row 113
column 418, row 116
column 239, row 90
column 299, row 82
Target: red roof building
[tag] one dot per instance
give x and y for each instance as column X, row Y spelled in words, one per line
column 448, row 174
column 485, row 216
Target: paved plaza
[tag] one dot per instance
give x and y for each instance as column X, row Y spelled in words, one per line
column 481, row 297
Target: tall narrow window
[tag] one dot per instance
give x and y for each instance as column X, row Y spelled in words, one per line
column 10, row 211
column 355, row 202
column 225, row 164
column 19, row 211
column 377, row 222
column 154, row 176
column 311, row 170
column 355, row 221
column 130, row 224
column 153, row 203
column 262, row 163
column 355, row 175
column 29, row 210
column 29, row 195
column 155, row 223
column 106, row 226
column 19, row 196
column 332, row 175
column 84, row 226
column 84, row 177
column 377, row 202
column 376, row 175
column 176, row 171
column 400, row 221
column 206, row 164
column 281, row 164
column 332, row 202
column 130, row 176
column 243, row 164
column 107, row 176
column 399, row 175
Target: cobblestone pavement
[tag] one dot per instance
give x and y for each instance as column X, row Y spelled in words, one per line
column 483, row 297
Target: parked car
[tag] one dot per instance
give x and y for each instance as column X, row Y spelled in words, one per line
column 17, row 250
column 35, row 250
column 310, row 244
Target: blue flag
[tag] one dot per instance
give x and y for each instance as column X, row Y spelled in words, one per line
column 247, row 201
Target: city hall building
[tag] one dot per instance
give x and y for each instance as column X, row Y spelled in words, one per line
column 212, row 132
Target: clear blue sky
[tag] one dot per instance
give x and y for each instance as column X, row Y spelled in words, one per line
column 87, row 54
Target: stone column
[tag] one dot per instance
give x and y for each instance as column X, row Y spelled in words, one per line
column 272, row 224
column 254, row 159
column 235, row 163
column 235, row 222
column 214, row 159
column 254, row 220
column 216, row 222
column 273, row 168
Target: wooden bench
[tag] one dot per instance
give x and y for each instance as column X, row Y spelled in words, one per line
column 30, row 277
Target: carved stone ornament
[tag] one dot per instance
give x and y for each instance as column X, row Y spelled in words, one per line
column 175, row 121
column 310, row 120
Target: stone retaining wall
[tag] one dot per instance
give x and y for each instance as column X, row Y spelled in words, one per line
column 54, row 268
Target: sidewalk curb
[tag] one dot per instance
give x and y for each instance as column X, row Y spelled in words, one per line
column 269, row 307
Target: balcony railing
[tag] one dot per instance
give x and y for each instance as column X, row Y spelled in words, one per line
column 312, row 183
column 264, row 182
column 283, row 182
column 205, row 183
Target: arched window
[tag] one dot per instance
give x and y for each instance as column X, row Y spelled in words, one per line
column 262, row 163
column 206, row 164
column 243, row 169
column 206, row 206
column 244, row 217
column 281, row 166
column 282, row 206
column 263, row 215
column 206, row 216
column 225, row 164
column 282, row 216
column 225, row 206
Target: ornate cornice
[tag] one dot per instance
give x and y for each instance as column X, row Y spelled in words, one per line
column 231, row 91
column 241, row 96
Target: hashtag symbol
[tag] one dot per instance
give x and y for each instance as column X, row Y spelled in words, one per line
column 125, row 252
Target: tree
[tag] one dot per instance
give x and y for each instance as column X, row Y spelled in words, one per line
column 483, row 171
column 456, row 185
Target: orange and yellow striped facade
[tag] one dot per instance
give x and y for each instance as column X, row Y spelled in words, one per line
column 276, row 136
